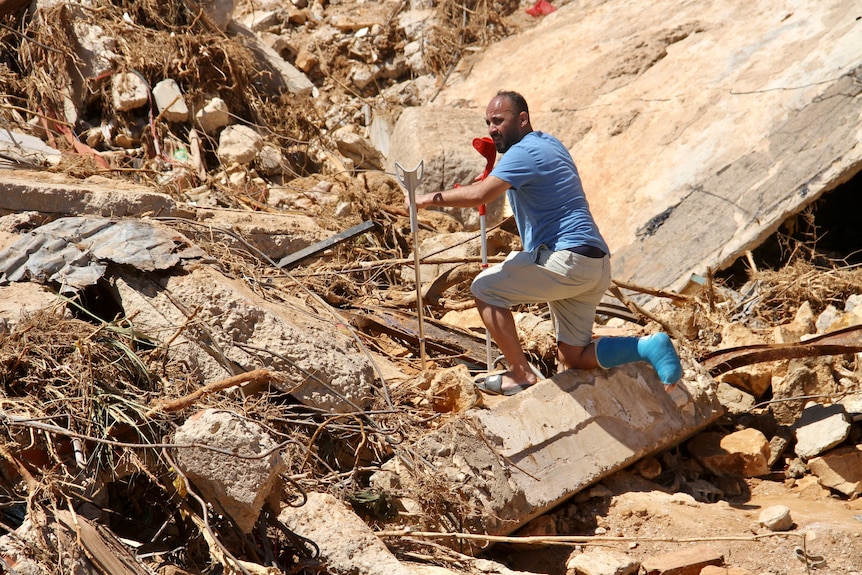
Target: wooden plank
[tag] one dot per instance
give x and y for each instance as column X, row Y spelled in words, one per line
column 102, row 547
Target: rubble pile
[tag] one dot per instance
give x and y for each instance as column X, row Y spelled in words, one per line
column 218, row 383
column 214, row 106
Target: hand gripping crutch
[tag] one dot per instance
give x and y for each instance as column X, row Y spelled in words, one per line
column 410, row 181
column 486, row 147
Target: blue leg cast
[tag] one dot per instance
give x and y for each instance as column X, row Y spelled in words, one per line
column 656, row 349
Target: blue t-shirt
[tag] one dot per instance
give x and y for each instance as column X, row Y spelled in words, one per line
column 546, row 195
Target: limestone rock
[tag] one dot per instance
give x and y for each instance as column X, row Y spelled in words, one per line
column 601, row 562
column 170, row 102
column 744, row 452
column 240, row 474
column 239, row 145
column 840, row 469
column 129, row 91
column 776, row 518
column 820, row 428
column 346, row 543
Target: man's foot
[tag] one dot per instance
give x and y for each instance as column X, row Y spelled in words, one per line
column 659, row 351
column 504, row 383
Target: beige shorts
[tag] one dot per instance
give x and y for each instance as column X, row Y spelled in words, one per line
column 571, row 284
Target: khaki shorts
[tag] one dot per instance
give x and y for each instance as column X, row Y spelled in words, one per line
column 571, row 284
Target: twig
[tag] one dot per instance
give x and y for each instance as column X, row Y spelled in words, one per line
column 255, row 376
column 576, row 539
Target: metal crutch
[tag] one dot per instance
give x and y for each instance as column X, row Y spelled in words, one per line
column 410, row 180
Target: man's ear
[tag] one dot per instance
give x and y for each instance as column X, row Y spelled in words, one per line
column 523, row 118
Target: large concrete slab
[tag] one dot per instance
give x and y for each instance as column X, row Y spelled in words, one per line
column 698, row 127
column 534, row 450
column 54, row 194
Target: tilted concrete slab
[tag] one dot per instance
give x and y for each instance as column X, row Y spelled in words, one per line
column 698, row 127
column 534, row 450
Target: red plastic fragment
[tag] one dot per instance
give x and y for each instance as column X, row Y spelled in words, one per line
column 541, row 8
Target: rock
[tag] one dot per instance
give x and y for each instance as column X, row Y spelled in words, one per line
column 213, row 115
column 820, row 428
column 803, row 324
column 744, row 452
column 776, row 518
column 735, row 400
column 840, row 469
column 687, row 561
column 826, row 318
column 238, row 145
column 170, row 102
column 129, row 91
column 353, row 146
column 448, row 159
column 601, row 562
column 449, row 390
column 754, row 380
column 240, row 473
column 346, row 543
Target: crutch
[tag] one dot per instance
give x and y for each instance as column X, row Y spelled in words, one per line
column 410, row 180
column 486, row 147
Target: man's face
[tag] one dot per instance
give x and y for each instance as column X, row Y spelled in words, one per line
column 504, row 125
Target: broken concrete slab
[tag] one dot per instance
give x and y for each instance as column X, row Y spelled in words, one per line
column 221, row 327
column 53, row 194
column 517, row 460
column 697, row 128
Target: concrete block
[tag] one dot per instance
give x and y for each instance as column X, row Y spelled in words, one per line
column 536, row 449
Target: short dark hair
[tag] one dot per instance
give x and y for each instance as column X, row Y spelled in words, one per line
column 517, row 100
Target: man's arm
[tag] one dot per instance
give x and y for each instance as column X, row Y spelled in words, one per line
column 471, row 196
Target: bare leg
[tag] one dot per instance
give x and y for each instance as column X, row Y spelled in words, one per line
column 501, row 325
column 576, row 357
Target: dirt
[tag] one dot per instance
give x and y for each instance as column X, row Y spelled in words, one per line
column 651, row 521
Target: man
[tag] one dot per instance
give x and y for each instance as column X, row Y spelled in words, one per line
column 565, row 261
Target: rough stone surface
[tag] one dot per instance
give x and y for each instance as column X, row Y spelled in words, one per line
column 840, row 469
column 214, row 115
column 235, row 329
column 529, row 458
column 90, row 197
column 711, row 125
column 447, row 159
column 238, row 145
column 745, row 452
column 240, row 476
column 776, row 518
column 347, row 545
column 820, row 428
column 129, row 91
column 601, row 562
